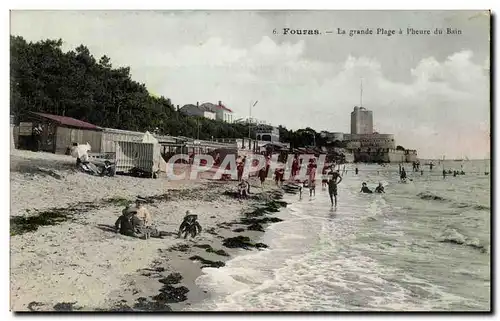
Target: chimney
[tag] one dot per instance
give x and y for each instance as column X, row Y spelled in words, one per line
column 220, row 103
column 197, row 104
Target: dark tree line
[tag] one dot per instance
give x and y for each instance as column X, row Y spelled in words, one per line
column 43, row 78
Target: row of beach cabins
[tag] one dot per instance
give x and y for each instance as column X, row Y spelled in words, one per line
column 128, row 149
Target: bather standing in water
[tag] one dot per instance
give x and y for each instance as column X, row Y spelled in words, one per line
column 403, row 174
column 334, row 180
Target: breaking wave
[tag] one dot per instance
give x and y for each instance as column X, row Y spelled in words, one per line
column 452, row 235
column 430, row 196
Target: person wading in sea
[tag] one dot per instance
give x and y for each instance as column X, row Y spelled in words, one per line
column 334, row 180
column 365, row 189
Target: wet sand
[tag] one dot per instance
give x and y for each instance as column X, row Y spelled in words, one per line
column 65, row 254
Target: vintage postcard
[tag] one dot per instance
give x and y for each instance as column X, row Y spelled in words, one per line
column 250, row 161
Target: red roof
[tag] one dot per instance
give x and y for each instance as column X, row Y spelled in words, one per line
column 224, row 107
column 68, row 121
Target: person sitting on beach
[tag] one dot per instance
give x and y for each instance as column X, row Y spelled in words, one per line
column 189, row 225
column 243, row 189
column 124, row 223
column 379, row 188
column 142, row 212
column 365, row 189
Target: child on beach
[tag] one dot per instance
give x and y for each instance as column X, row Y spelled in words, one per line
column 189, row 225
column 142, row 212
column 124, row 223
column 243, row 189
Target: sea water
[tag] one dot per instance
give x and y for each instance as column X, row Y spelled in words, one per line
column 423, row 245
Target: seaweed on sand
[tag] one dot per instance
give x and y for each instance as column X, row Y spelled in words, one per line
column 207, row 263
column 117, row 201
column 180, row 247
column 172, row 278
column 256, row 227
column 171, row 294
column 65, row 306
column 144, row 305
column 209, row 249
column 264, row 220
column 22, row 224
column 243, row 242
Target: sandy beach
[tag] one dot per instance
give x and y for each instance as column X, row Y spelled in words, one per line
column 65, row 254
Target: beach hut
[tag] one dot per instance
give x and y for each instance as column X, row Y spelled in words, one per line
column 144, row 155
column 110, row 136
column 56, row 134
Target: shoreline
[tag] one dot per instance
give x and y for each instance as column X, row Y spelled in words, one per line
column 64, row 257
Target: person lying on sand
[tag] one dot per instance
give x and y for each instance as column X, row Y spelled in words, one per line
column 189, row 225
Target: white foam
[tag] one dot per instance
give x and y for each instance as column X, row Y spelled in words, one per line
column 322, row 260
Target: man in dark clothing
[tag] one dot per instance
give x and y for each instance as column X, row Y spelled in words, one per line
column 403, row 174
column 332, row 186
column 365, row 189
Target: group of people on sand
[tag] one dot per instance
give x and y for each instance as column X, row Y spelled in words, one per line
column 136, row 222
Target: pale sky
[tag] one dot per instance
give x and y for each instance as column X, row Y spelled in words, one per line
column 430, row 91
